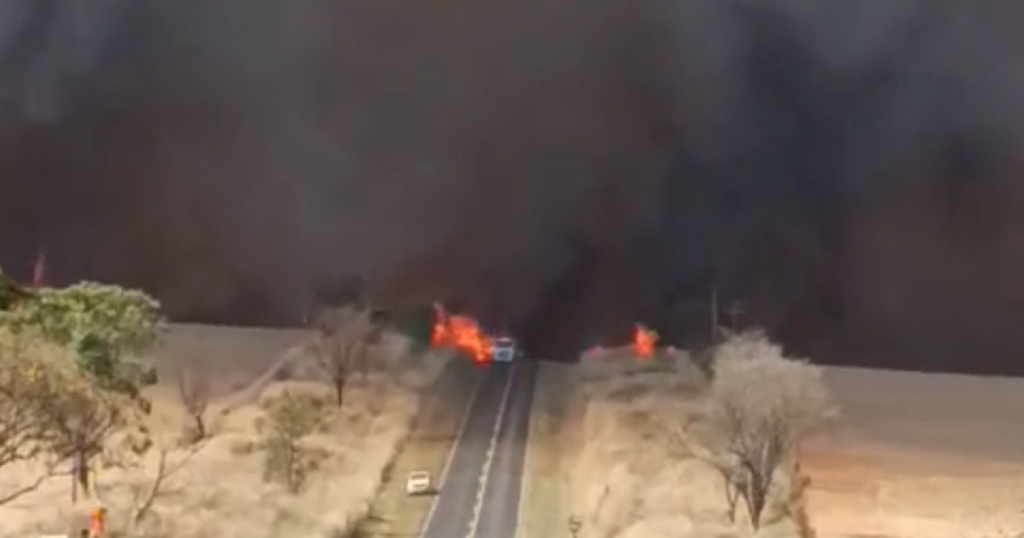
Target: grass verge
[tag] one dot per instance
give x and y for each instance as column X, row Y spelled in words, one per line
column 435, row 428
column 543, row 512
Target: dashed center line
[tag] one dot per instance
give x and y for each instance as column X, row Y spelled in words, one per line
column 451, row 453
column 485, row 471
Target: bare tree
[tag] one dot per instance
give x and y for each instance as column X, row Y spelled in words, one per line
column 733, row 479
column 194, row 391
column 78, row 422
column 29, row 381
column 144, row 499
column 345, row 340
column 20, row 427
column 733, row 483
column 759, row 408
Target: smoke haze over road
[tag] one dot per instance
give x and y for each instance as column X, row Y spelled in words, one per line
column 849, row 170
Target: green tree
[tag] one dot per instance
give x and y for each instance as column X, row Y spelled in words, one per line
column 51, row 409
column 289, row 418
column 10, row 292
column 72, row 354
column 108, row 327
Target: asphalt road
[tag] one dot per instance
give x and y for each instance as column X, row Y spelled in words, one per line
column 479, row 496
column 499, row 513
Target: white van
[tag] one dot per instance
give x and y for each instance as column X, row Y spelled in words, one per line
column 504, row 349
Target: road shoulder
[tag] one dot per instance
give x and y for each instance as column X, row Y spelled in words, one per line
column 431, row 439
column 543, row 508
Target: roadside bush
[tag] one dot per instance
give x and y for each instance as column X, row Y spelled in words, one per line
column 109, row 328
column 288, row 419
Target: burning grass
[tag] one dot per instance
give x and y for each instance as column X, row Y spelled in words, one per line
column 460, row 332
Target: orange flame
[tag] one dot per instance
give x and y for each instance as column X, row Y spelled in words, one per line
column 460, row 332
column 39, row 270
column 644, row 341
column 440, row 335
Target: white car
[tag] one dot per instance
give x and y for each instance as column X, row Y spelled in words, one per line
column 418, row 482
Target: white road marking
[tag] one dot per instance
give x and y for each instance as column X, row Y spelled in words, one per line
column 451, row 453
column 525, row 491
column 486, row 470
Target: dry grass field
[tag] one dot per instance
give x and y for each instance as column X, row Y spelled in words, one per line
column 218, row 489
column 917, row 455
column 605, row 448
column 912, row 455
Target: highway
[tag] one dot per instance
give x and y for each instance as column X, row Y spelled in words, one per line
column 480, row 488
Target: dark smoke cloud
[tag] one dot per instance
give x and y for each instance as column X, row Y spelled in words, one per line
column 849, row 170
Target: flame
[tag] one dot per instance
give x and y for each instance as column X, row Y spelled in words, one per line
column 460, row 332
column 39, row 270
column 441, row 334
column 644, row 341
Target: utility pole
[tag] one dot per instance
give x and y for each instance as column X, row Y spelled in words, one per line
column 714, row 314
column 735, row 310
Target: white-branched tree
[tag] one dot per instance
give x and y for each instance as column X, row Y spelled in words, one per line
column 760, row 406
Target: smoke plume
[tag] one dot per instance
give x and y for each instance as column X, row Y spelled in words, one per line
column 848, row 172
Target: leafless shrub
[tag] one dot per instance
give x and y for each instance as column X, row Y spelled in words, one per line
column 346, row 337
column 759, row 408
column 144, row 498
column 194, row 391
column 133, row 453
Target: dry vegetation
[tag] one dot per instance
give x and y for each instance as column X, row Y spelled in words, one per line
column 919, row 454
column 208, row 463
column 648, row 448
column 912, row 455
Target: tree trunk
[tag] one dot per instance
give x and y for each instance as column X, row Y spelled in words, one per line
column 83, row 474
column 339, row 390
column 74, row 482
column 732, row 497
column 79, row 476
column 291, row 470
column 756, row 497
column 200, row 427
